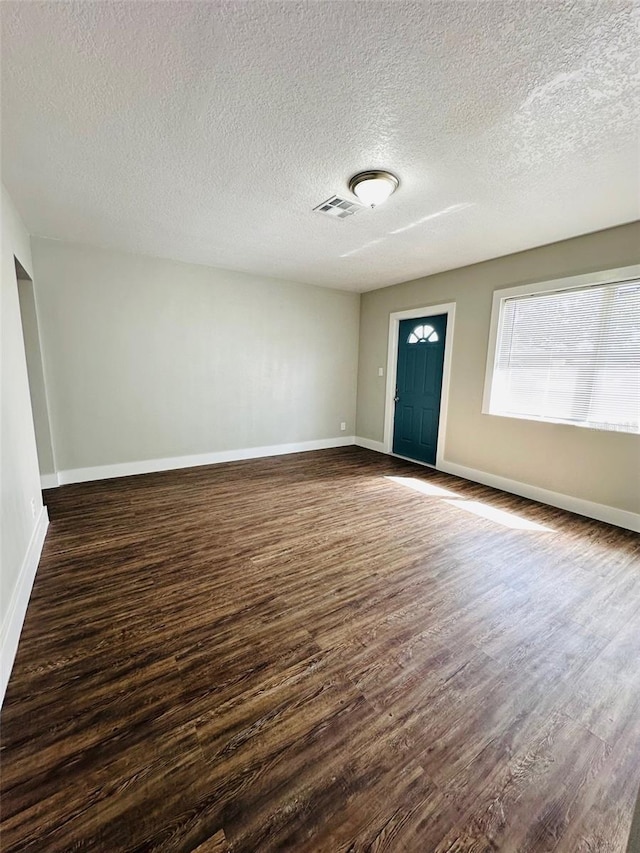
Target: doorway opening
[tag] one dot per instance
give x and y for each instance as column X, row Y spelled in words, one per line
column 35, row 374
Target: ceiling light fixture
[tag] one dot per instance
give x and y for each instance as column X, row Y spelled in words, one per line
column 373, row 187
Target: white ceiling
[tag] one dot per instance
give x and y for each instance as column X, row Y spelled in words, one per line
column 208, row 131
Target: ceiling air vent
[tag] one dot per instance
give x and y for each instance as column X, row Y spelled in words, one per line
column 338, row 208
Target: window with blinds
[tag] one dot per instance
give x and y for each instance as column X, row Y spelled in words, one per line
column 570, row 356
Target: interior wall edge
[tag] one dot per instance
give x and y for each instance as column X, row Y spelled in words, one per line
column 21, row 593
column 21, row 495
column 152, row 466
column 370, row 444
column 49, row 481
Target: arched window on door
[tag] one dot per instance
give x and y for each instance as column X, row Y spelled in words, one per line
column 423, row 334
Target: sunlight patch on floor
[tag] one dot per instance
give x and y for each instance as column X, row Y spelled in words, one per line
column 499, row 516
column 422, row 487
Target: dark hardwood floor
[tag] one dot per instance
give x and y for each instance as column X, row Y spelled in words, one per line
column 299, row 653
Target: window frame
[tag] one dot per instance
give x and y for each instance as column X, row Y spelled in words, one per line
column 575, row 282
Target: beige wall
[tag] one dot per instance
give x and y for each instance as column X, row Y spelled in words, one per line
column 19, row 476
column 147, row 358
column 596, row 466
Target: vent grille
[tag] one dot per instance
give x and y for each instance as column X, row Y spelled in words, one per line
column 338, row 208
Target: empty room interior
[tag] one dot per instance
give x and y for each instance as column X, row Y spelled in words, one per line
column 320, row 436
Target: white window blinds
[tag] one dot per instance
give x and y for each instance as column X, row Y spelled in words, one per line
column 571, row 356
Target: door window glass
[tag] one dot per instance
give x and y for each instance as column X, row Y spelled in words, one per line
column 423, row 334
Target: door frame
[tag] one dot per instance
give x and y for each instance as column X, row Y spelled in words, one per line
column 448, row 308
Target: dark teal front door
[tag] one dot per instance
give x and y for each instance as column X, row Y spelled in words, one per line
column 419, row 387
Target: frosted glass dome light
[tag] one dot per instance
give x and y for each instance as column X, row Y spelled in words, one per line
column 372, row 188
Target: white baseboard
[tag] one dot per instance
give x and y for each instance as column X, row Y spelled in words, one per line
column 14, row 618
column 601, row 512
column 48, row 481
column 369, row 444
column 150, row 466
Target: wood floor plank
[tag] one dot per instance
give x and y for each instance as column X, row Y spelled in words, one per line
column 215, row 844
column 322, row 653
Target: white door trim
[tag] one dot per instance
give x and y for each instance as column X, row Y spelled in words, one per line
column 448, row 308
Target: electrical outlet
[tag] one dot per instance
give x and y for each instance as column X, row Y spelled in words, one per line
column 381, row 371
column 33, row 507
column 343, row 426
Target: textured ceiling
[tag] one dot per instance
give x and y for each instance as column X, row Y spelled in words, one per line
column 208, row 131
